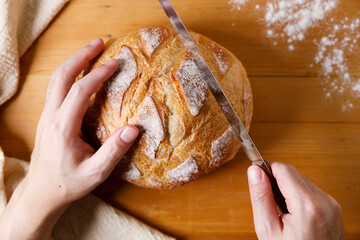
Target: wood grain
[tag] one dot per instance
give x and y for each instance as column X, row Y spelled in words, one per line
column 293, row 121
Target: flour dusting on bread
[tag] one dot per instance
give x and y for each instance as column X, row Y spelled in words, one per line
column 132, row 172
column 101, row 132
column 221, row 147
column 150, row 122
column 117, row 85
column 192, row 85
column 153, row 183
column 158, row 88
column 184, row 172
column 152, row 37
column 221, row 57
column 223, row 64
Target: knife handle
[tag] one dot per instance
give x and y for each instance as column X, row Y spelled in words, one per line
column 278, row 196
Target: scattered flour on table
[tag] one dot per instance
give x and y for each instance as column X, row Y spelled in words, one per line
column 237, row 4
column 334, row 48
column 290, row 21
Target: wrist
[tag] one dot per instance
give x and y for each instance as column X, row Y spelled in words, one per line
column 32, row 212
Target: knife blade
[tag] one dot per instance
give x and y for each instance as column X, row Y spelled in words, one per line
column 244, row 138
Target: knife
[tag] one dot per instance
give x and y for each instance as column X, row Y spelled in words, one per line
column 246, row 143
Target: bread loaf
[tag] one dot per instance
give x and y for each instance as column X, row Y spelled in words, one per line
column 157, row 87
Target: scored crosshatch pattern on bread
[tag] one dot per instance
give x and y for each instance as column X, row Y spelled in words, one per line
column 151, row 125
column 221, row 147
column 191, row 85
column 183, row 132
column 121, row 80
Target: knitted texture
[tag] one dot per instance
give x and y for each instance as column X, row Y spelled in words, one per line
column 21, row 22
column 88, row 218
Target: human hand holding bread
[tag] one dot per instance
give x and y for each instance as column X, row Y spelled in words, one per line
column 64, row 167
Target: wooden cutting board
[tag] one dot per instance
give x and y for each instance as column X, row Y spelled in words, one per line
column 293, row 122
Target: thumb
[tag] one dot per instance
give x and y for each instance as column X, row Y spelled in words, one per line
column 110, row 153
column 266, row 217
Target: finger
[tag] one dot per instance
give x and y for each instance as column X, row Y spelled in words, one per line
column 313, row 187
column 266, row 217
column 77, row 101
column 102, row 163
column 64, row 76
column 292, row 185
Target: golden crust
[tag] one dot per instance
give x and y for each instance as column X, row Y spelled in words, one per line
column 184, row 133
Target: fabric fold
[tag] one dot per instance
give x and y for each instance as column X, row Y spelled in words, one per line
column 89, row 218
column 21, row 22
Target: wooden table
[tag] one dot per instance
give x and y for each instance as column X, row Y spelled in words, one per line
column 293, row 121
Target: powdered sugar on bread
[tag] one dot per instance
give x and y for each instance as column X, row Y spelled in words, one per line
column 152, row 37
column 117, row 85
column 221, row 147
column 193, row 86
column 150, row 122
column 184, row 172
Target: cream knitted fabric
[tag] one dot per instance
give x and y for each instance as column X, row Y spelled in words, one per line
column 89, row 218
column 21, row 22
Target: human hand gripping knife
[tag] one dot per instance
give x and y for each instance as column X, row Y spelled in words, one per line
column 238, row 128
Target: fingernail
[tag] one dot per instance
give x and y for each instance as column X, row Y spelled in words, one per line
column 129, row 134
column 94, row 42
column 111, row 62
column 255, row 175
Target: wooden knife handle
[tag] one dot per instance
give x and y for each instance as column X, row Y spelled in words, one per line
column 278, row 196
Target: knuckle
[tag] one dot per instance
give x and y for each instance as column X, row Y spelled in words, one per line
column 34, row 154
column 98, row 177
column 283, row 167
column 262, row 232
column 57, row 127
column 288, row 167
column 276, row 165
column 57, row 74
column 93, row 174
column 335, row 206
column 78, row 89
column 338, row 208
column 84, row 52
column 266, row 231
column 313, row 209
column 114, row 148
column 260, row 195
